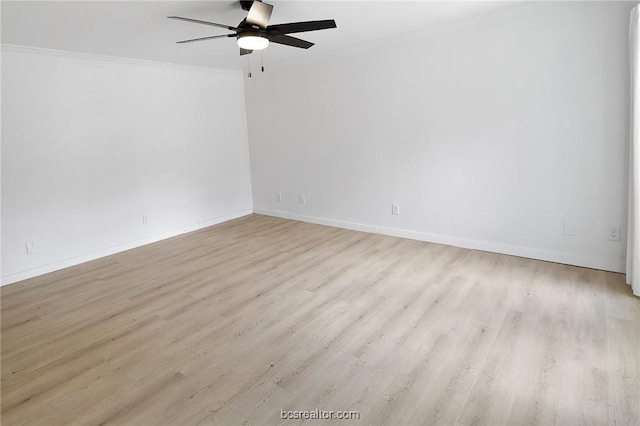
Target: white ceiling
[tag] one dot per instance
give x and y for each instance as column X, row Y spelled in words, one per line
column 140, row 29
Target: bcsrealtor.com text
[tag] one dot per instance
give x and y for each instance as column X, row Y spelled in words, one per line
column 319, row 414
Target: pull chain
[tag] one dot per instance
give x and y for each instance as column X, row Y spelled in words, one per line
column 249, row 66
column 262, row 61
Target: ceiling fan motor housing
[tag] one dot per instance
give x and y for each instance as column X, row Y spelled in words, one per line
column 246, row 5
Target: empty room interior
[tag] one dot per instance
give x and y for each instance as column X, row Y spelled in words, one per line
column 320, row 212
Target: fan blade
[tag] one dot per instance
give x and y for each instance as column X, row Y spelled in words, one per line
column 206, row 38
column 259, row 14
column 213, row 24
column 290, row 41
column 300, row 27
column 245, row 52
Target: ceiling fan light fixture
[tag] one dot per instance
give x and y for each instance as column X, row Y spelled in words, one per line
column 255, row 33
column 252, row 41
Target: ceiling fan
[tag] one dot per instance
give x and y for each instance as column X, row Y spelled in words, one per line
column 255, row 33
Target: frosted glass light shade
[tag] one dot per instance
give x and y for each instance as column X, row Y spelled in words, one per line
column 252, row 42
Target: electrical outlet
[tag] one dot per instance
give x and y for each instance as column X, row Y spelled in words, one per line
column 145, row 219
column 31, row 247
column 302, row 199
column 568, row 229
column 278, row 196
column 395, row 209
column 614, row 233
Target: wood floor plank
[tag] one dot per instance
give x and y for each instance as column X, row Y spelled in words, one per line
column 490, row 399
column 234, row 323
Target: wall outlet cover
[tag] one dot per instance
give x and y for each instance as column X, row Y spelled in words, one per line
column 31, row 247
column 568, row 229
column 614, row 233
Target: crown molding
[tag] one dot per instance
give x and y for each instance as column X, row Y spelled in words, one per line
column 39, row 51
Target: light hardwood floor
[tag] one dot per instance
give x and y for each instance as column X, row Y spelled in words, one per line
column 234, row 323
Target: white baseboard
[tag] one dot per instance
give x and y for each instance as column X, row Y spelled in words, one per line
column 45, row 269
column 594, row 262
column 318, row 220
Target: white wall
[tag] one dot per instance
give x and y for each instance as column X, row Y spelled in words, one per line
column 489, row 133
column 90, row 145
